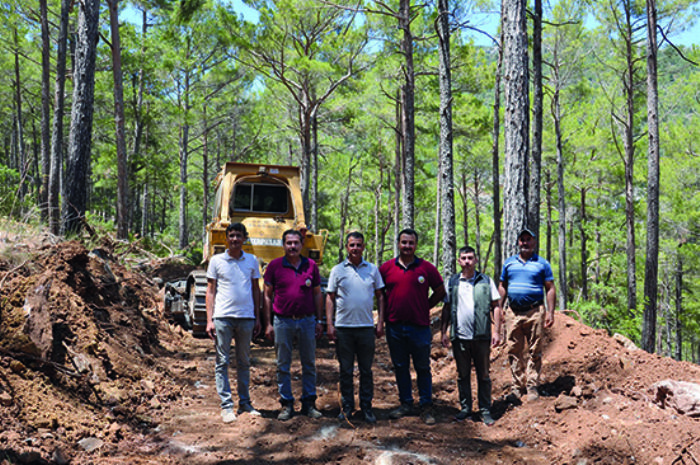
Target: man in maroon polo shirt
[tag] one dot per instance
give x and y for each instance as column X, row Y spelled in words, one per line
column 293, row 294
column 408, row 280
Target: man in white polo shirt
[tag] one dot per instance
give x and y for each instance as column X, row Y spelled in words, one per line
column 351, row 288
column 233, row 302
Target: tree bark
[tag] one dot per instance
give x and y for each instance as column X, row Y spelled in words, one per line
column 535, row 165
column 57, row 124
column 22, row 164
column 652, row 260
column 45, row 110
column 516, row 121
column 80, row 138
column 495, row 164
column 679, row 304
column 408, row 115
column 556, row 110
column 120, row 137
column 445, row 150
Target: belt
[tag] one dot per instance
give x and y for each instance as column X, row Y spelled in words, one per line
column 525, row 309
column 294, row 317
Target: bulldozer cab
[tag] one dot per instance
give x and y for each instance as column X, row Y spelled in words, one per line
column 267, row 200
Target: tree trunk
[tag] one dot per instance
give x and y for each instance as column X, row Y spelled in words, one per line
column 122, row 175
column 80, row 138
column 628, row 83
column 516, row 121
column 445, row 150
column 438, row 218
column 584, row 247
column 398, row 169
column 535, row 165
column 205, row 169
column 548, row 197
column 477, row 221
column 314, row 176
column 408, row 115
column 184, row 155
column 652, row 261
column 679, row 304
column 21, row 148
column 495, row 165
column 556, row 110
column 45, row 110
column 57, row 125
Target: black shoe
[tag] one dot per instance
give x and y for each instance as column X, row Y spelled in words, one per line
column 487, row 418
column 286, row 413
column 311, row 411
column 428, row 415
column 463, row 414
column 345, row 415
column 368, row 416
column 401, row 411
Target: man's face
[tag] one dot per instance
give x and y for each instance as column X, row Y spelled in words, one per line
column 467, row 261
column 355, row 247
column 235, row 240
column 526, row 243
column 407, row 244
column 292, row 246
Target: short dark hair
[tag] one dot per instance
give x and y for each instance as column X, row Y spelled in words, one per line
column 355, row 235
column 239, row 227
column 409, row 232
column 467, row 249
column 293, row 232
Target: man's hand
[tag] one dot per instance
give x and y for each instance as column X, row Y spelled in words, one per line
column 330, row 330
column 496, row 339
column 319, row 330
column 211, row 329
column 445, row 340
column 270, row 333
column 379, row 330
column 256, row 328
column 548, row 318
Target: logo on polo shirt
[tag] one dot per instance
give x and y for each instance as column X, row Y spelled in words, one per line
column 421, row 279
column 308, row 282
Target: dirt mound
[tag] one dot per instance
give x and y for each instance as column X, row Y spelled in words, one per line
column 90, row 373
column 80, row 346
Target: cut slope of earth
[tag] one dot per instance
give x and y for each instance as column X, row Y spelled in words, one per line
column 90, row 373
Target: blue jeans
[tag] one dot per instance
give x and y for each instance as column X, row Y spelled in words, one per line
column 240, row 330
column 352, row 343
column 406, row 341
column 304, row 330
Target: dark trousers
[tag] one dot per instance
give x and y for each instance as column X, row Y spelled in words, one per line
column 352, row 343
column 466, row 352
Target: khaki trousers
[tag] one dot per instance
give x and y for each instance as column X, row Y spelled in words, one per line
column 524, row 346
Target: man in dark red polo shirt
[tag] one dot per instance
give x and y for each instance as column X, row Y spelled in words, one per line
column 295, row 283
column 408, row 280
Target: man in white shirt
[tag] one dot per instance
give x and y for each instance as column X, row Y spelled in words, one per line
column 351, row 289
column 471, row 299
column 233, row 302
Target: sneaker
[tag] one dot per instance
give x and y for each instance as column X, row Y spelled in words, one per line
column 368, row 416
column 427, row 415
column 463, row 414
column 532, row 394
column 247, row 408
column 401, row 411
column 228, row 416
column 486, row 418
column 286, row 413
column 311, row 412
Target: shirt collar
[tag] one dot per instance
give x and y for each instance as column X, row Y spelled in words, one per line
column 347, row 262
column 416, row 261
column 231, row 257
column 303, row 263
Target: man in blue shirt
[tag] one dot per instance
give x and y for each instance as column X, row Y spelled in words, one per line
column 527, row 283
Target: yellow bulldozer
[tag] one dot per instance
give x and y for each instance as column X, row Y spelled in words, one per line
column 267, row 200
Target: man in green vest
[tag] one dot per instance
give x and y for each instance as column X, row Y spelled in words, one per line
column 470, row 309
